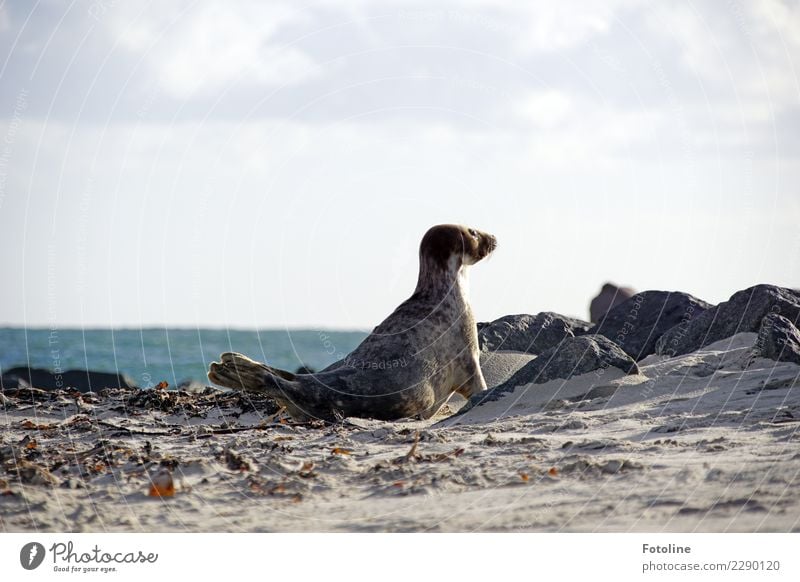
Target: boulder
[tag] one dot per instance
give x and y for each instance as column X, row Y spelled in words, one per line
column 531, row 334
column 609, row 297
column 636, row 324
column 778, row 339
column 572, row 357
column 743, row 312
column 81, row 380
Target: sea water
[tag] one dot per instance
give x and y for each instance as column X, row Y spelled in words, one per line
column 149, row 356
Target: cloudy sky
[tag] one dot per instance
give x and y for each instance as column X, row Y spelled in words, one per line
column 270, row 164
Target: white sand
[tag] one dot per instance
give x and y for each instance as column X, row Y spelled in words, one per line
column 702, row 442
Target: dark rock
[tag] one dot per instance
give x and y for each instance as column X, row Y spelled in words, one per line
column 743, row 312
column 81, row 380
column 636, row 324
column 304, row 369
column 573, row 357
column 609, row 297
column 778, row 339
column 532, row 334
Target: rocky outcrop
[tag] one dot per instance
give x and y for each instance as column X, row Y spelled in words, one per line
column 573, row 357
column 80, row 380
column 778, row 339
column 743, row 312
column 636, row 324
column 531, row 334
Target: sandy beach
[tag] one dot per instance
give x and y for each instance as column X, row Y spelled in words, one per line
column 705, row 442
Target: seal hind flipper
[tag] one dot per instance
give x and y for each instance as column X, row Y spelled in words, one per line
column 241, row 373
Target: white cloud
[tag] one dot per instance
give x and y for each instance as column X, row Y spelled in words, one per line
column 748, row 50
column 5, row 24
column 543, row 26
column 553, row 26
column 531, row 25
column 206, row 47
column 548, row 108
column 562, row 130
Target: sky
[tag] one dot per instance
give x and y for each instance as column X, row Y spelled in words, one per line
column 274, row 164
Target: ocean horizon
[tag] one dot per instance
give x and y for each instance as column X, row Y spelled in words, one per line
column 150, row 355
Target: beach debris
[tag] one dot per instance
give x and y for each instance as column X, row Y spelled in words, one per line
column 30, row 473
column 261, row 486
column 411, row 455
column 278, row 489
column 24, row 394
column 307, row 470
column 235, row 461
column 439, row 457
column 30, row 425
column 341, row 451
column 159, row 398
column 415, row 456
column 271, row 418
column 162, row 484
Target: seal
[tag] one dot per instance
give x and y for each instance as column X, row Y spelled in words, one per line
column 409, row 365
column 609, row 297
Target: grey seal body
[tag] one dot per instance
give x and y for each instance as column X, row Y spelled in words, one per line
column 409, row 365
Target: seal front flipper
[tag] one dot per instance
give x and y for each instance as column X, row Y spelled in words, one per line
column 475, row 384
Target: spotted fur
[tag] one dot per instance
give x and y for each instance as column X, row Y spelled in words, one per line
column 409, row 365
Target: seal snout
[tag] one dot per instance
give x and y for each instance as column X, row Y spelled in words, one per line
column 490, row 244
column 487, row 245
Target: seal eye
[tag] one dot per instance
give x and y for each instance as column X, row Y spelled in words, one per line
column 473, row 233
